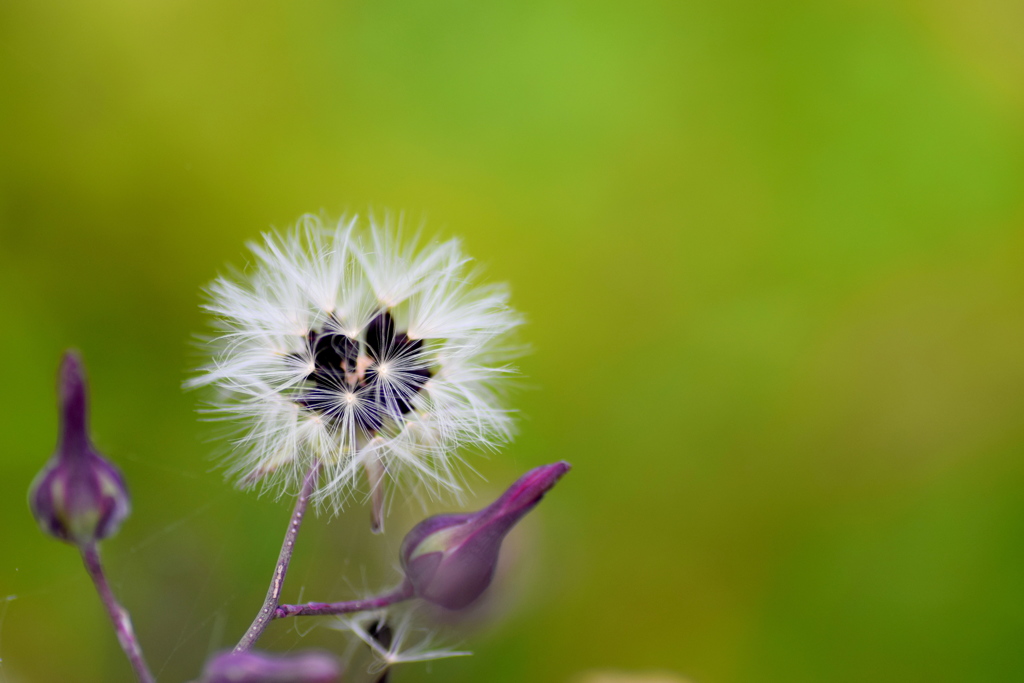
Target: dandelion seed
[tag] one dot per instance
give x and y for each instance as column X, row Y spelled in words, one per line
column 375, row 357
column 394, row 637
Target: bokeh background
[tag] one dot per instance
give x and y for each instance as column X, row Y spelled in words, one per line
column 772, row 257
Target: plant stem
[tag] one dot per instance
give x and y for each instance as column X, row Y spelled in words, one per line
column 315, row 609
column 266, row 613
column 118, row 615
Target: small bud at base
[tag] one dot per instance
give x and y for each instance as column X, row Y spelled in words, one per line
column 259, row 667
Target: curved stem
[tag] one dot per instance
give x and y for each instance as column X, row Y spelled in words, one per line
column 316, row 609
column 266, row 613
column 118, row 615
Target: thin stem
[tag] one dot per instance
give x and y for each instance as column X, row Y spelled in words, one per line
column 266, row 613
column 317, row 609
column 118, row 615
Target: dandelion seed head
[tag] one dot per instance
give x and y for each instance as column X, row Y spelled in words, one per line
column 356, row 348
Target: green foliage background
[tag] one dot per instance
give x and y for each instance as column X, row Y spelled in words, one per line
column 771, row 256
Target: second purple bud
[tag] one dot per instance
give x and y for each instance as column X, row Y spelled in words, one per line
column 450, row 559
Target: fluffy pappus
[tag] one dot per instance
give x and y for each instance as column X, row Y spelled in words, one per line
column 374, row 357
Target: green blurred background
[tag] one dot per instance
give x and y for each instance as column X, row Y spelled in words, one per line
column 772, row 257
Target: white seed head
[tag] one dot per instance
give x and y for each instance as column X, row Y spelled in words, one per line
column 369, row 354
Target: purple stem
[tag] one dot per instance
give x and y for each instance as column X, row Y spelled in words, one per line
column 118, row 615
column 317, row 609
column 266, row 613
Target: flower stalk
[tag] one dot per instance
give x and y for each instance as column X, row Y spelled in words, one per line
column 118, row 614
column 284, row 558
column 320, row 609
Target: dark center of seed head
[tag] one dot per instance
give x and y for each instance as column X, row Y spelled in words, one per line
column 348, row 375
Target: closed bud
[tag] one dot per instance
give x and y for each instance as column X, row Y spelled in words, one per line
column 449, row 559
column 80, row 496
column 259, row 667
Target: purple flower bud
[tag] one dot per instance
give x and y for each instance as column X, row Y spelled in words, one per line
column 80, row 496
column 258, row 667
column 450, row 559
